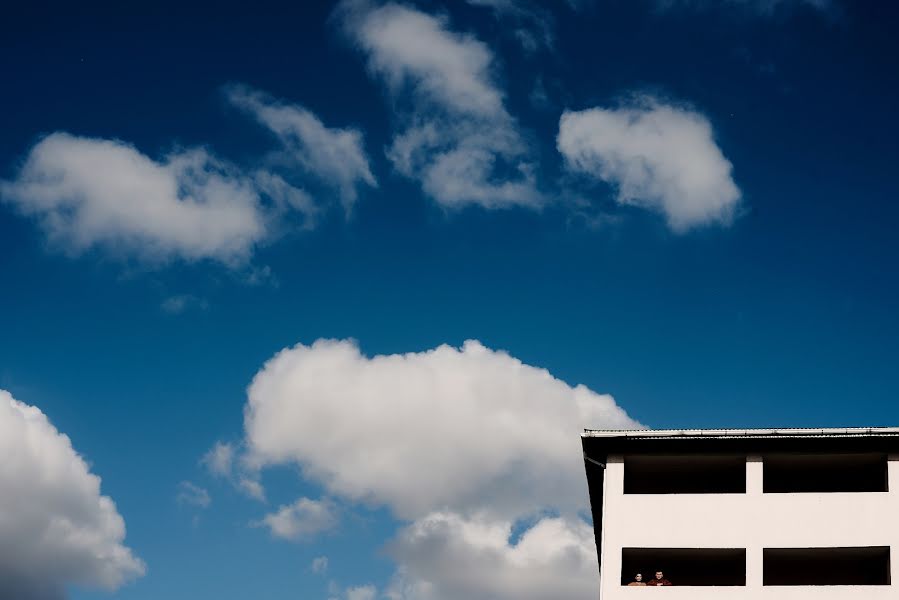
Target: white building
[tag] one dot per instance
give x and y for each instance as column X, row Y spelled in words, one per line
column 780, row 514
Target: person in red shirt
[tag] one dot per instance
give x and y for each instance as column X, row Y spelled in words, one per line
column 659, row 579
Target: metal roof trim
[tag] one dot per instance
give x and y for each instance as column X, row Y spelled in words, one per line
column 733, row 433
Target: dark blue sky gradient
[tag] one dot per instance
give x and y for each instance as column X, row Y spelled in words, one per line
column 786, row 318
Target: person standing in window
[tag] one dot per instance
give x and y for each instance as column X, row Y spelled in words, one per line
column 659, row 579
column 638, row 580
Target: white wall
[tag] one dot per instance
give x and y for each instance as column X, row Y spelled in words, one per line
column 753, row 521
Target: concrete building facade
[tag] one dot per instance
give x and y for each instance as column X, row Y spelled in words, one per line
column 785, row 514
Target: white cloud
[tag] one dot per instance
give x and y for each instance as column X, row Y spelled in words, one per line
column 287, row 198
column 445, row 557
column 219, row 459
column 363, row 592
column 336, row 156
column 193, row 495
column 459, row 428
column 302, row 519
column 88, row 192
column 457, row 140
column 658, row 156
column 319, row 565
column 460, row 442
column 408, row 47
column 56, row 529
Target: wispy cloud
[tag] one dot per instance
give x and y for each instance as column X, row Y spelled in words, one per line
column 457, row 139
column 319, row 565
column 529, row 23
column 335, row 156
column 219, row 459
column 180, row 303
column 222, row 460
column 251, row 487
column 191, row 494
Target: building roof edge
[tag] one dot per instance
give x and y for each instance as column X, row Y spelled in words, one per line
column 741, row 433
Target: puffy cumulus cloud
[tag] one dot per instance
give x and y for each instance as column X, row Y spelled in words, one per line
column 89, row 192
column 335, row 156
column 461, row 443
column 469, row 429
column 457, row 139
column 660, row 157
column 446, row 557
column 99, row 193
column 302, row 520
column 56, row 529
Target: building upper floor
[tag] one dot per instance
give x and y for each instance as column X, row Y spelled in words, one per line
column 768, row 513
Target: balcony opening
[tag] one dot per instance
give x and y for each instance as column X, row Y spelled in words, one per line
column 785, row 473
column 827, row 566
column 685, row 474
column 686, row 566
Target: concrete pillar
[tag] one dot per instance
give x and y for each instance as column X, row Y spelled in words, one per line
column 613, row 498
column 893, row 488
column 755, row 475
column 754, row 489
column 893, row 473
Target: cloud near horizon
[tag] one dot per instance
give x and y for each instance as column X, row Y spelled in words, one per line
column 56, row 529
column 459, row 443
column 657, row 156
column 446, row 557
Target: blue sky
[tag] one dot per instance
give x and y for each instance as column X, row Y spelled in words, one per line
column 671, row 213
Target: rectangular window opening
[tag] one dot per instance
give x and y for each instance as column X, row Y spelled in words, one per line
column 796, row 473
column 827, row 566
column 685, row 474
column 686, row 566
